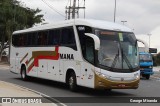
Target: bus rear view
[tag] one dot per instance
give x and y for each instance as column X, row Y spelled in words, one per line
column 146, row 64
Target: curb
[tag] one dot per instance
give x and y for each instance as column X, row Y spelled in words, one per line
column 54, row 101
column 4, row 63
column 43, row 95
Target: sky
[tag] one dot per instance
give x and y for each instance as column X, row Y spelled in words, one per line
column 142, row 16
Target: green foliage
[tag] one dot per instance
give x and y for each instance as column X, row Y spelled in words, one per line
column 154, row 60
column 158, row 58
column 15, row 16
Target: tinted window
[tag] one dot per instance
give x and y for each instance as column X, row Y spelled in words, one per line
column 68, row 38
column 89, row 50
column 22, row 40
column 42, row 38
column 46, row 38
column 83, row 41
column 32, row 39
column 15, row 39
column 54, row 36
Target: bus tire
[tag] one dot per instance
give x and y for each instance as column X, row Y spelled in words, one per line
column 143, row 75
column 147, row 77
column 23, row 73
column 72, row 82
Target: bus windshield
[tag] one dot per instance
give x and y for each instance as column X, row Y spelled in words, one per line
column 145, row 58
column 118, row 50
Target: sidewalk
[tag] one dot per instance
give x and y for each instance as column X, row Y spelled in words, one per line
column 156, row 69
column 4, row 63
column 8, row 90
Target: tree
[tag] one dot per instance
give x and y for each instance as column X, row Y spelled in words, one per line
column 15, row 16
column 158, row 59
column 154, row 60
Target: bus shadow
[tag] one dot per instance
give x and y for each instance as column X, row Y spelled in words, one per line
column 81, row 90
column 102, row 93
column 45, row 82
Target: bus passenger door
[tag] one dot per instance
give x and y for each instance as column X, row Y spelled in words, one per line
column 87, row 69
column 87, row 75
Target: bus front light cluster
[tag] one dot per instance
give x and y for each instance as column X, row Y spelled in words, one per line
column 102, row 75
column 137, row 75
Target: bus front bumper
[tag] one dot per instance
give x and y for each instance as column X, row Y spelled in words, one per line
column 103, row 83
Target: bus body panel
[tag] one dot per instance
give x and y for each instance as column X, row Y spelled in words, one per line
column 112, row 80
column 53, row 69
column 53, row 62
column 87, row 74
column 68, row 61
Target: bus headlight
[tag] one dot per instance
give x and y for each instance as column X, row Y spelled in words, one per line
column 102, row 75
column 137, row 76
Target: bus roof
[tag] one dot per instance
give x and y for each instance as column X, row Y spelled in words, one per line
column 88, row 22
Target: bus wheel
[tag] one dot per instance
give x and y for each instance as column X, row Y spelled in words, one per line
column 72, row 82
column 143, row 75
column 147, row 77
column 23, row 73
column 108, row 90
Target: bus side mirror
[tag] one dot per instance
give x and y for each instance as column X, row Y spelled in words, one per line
column 96, row 40
column 145, row 48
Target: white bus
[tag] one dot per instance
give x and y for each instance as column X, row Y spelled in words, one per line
column 84, row 52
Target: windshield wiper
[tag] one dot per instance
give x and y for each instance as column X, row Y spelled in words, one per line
column 127, row 61
column 124, row 57
column 115, row 58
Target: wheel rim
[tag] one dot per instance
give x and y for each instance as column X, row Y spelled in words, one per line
column 71, row 81
column 23, row 74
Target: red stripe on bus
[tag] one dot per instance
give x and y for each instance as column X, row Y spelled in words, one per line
column 30, row 68
column 57, row 49
column 26, row 62
column 56, row 57
column 36, row 63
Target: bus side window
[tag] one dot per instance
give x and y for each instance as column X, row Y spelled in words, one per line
column 53, row 37
column 42, row 38
column 15, row 40
column 68, row 38
column 32, row 39
column 29, row 43
column 89, row 49
column 22, row 40
column 87, row 43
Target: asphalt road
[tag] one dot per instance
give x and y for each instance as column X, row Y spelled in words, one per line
column 147, row 88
